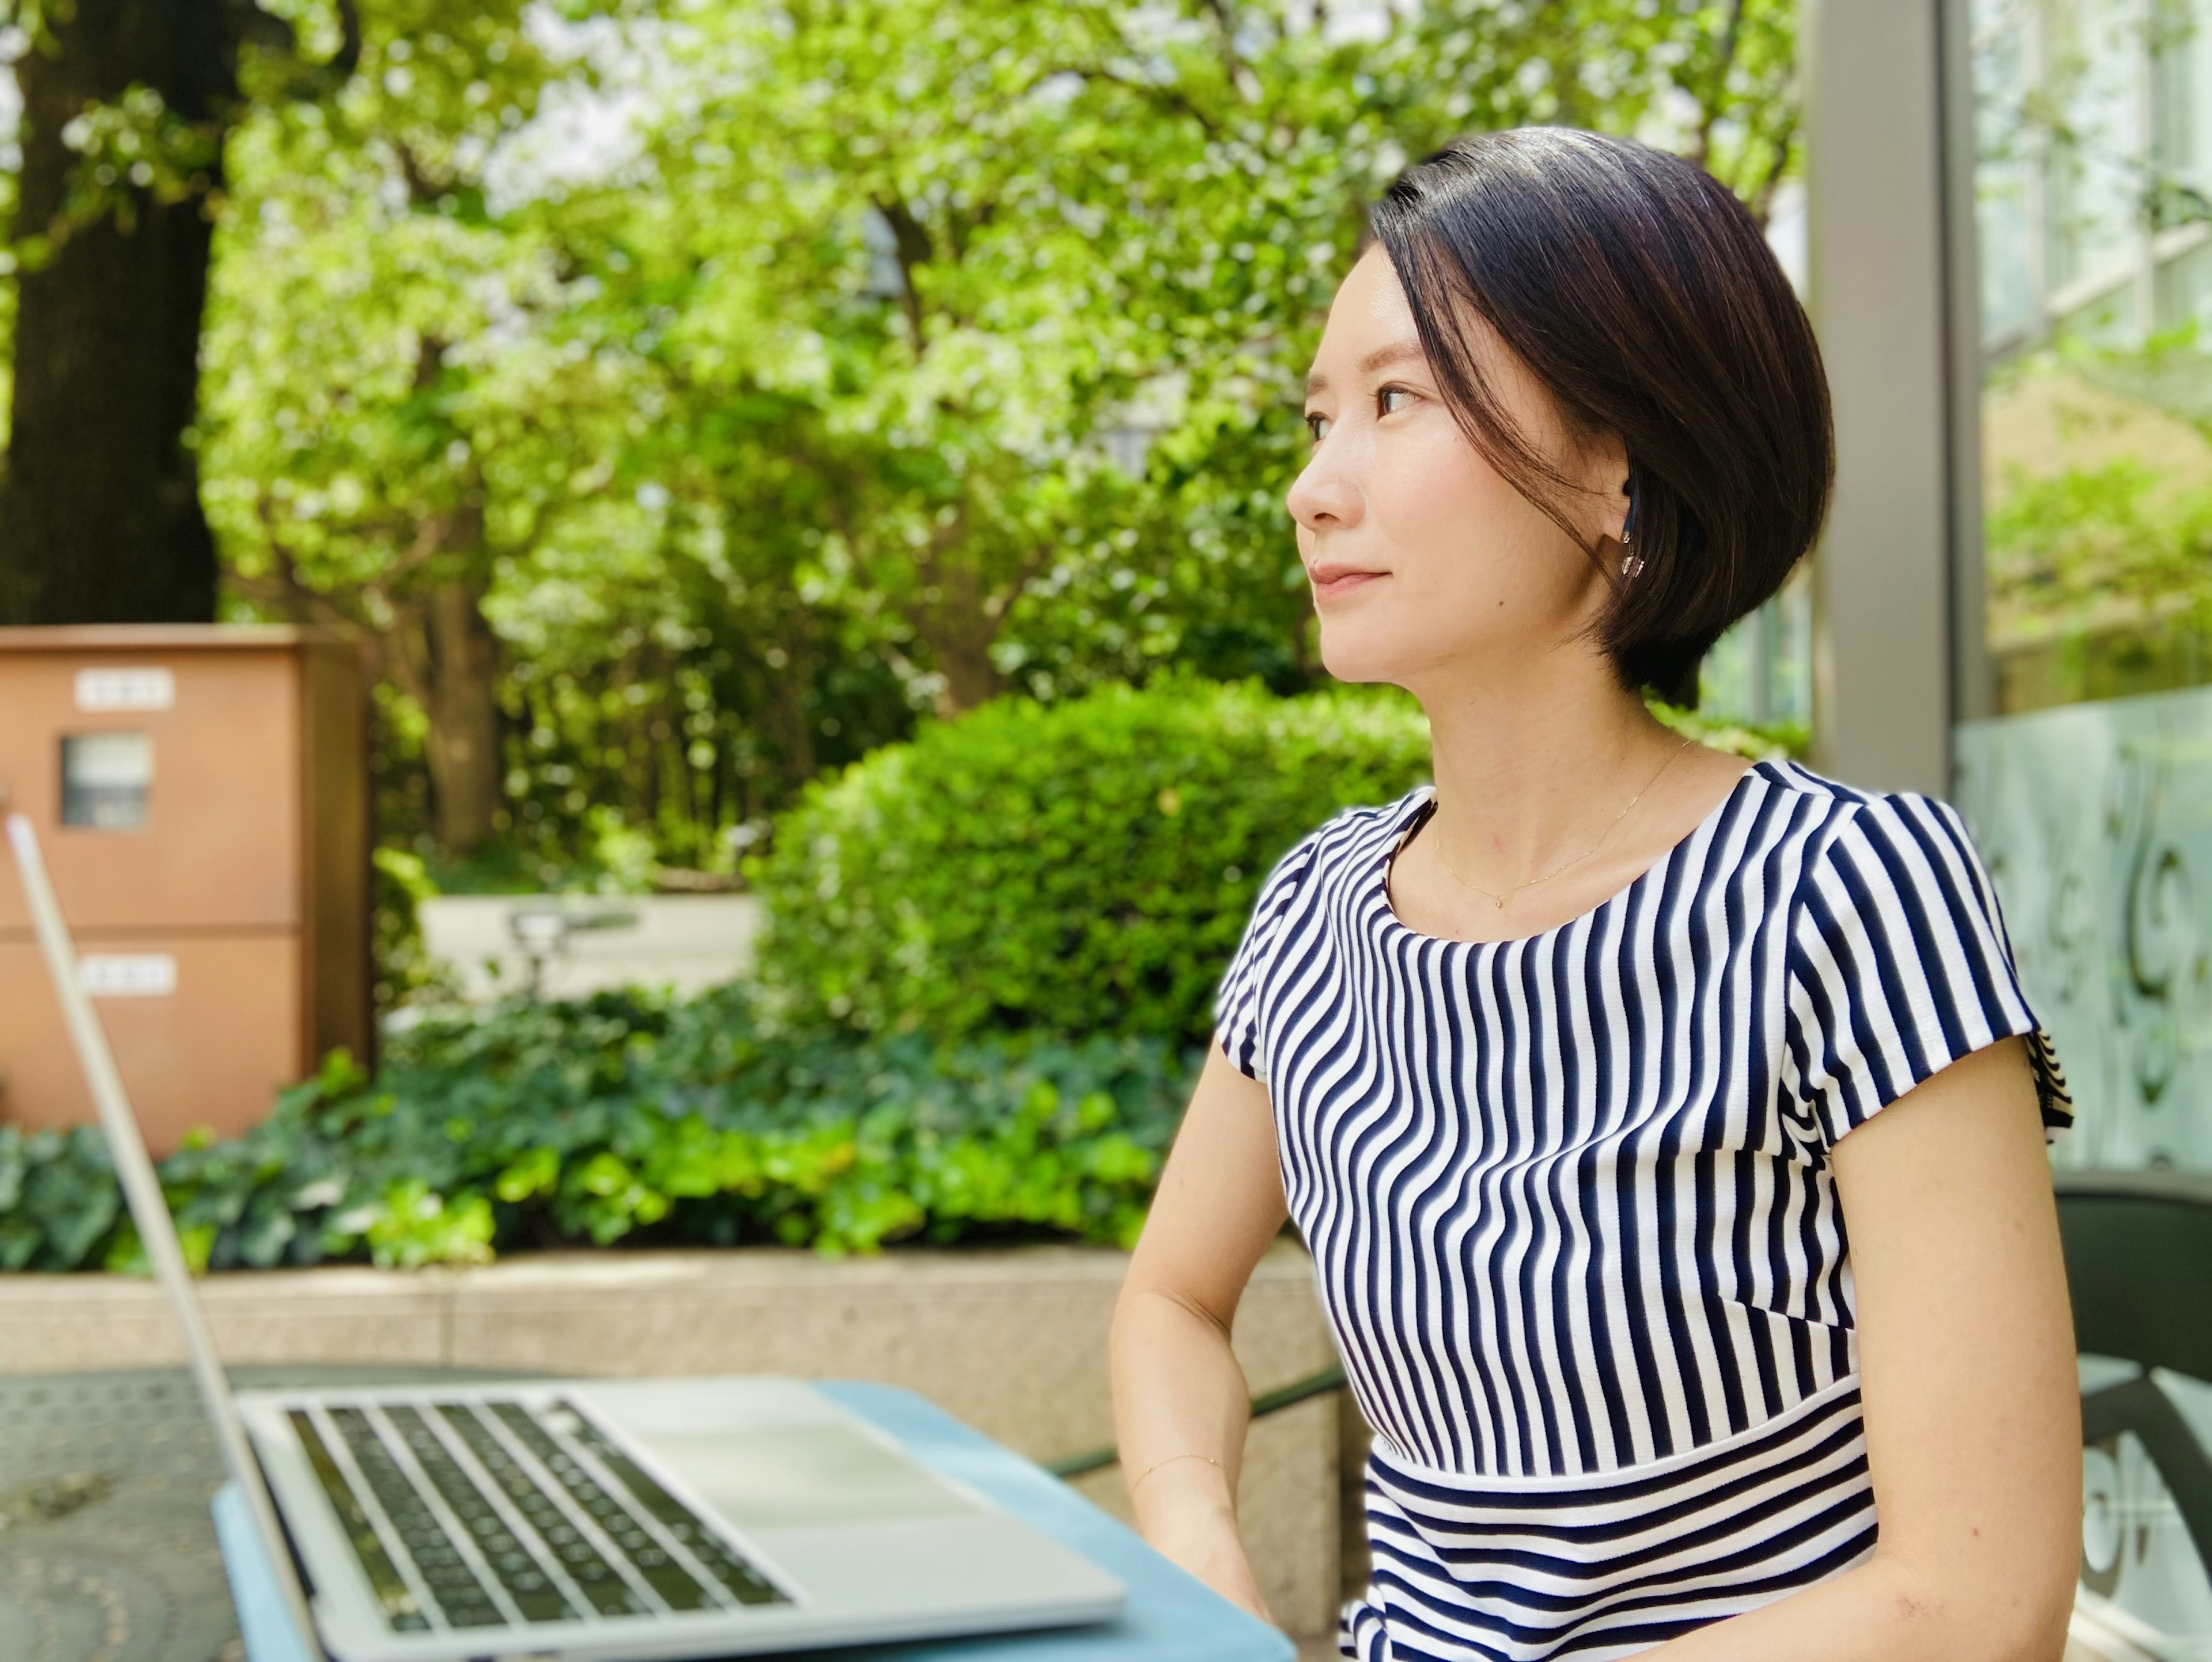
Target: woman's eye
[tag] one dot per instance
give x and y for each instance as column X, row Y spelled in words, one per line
column 1318, row 426
column 1387, row 400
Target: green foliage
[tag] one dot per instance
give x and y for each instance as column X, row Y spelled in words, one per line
column 1005, row 344
column 58, row 1200
column 2097, row 528
column 910, row 352
column 398, row 884
column 1779, row 741
column 1078, row 868
column 429, row 424
column 2101, row 583
column 2122, row 539
column 627, row 1117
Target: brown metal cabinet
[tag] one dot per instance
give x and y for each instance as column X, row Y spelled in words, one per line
column 201, row 794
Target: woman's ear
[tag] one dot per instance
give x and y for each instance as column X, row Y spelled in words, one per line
column 1605, row 479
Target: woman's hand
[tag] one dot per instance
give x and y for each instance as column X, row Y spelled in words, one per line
column 1179, row 1400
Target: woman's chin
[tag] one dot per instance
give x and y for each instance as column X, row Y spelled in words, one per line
column 1364, row 655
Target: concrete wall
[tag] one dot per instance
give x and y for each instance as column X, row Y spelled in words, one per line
column 1012, row 1342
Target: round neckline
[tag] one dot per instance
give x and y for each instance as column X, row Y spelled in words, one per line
column 1425, row 809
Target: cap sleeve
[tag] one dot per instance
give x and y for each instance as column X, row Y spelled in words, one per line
column 1237, row 1003
column 1899, row 965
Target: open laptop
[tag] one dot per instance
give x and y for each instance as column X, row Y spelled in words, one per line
column 580, row 1519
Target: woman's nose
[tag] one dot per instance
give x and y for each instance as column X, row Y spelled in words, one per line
column 1323, row 494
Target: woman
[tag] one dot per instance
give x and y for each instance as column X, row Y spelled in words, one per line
column 1572, row 1069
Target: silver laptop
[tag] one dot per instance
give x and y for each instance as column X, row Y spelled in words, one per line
column 588, row 1520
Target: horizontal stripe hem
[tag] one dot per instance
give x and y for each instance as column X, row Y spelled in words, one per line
column 1779, row 1426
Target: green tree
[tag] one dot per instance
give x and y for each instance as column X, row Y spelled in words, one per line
column 393, row 415
column 126, row 106
column 1030, row 287
column 919, row 353
column 429, row 402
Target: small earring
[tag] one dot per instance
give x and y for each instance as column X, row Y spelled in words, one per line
column 1631, row 562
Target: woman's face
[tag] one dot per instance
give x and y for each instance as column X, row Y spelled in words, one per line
column 1426, row 564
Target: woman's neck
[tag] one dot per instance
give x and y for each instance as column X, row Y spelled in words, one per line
column 1533, row 768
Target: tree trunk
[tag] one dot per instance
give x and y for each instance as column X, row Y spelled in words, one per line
column 445, row 657
column 970, row 676
column 99, row 512
column 791, row 721
column 959, row 619
column 463, row 712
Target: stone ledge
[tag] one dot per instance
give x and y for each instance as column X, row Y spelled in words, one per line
column 1013, row 1340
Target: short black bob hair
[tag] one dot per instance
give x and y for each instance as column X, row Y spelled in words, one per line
column 1639, row 292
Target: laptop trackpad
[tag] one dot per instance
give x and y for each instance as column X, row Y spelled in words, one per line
column 817, row 1474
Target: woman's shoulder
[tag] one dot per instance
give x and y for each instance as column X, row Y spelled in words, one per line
column 1344, row 840
column 1843, row 809
column 1354, row 833
column 1897, row 854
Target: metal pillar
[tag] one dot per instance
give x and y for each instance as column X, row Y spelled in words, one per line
column 1896, row 589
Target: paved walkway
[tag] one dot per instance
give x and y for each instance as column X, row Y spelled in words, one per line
column 108, row 1553
column 685, row 941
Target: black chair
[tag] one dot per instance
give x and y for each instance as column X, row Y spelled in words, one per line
column 2139, row 1265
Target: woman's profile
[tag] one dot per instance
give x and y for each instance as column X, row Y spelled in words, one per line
column 1572, row 1069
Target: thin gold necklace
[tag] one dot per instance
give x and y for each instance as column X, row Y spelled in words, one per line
column 1498, row 900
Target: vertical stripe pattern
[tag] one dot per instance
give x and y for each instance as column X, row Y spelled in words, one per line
column 1570, row 1210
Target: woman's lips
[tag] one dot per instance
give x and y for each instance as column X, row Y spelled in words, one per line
column 1331, row 582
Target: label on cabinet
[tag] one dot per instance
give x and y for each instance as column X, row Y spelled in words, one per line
column 127, row 974
column 125, row 688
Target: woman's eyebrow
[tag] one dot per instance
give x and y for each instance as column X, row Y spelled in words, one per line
column 1400, row 352
column 1397, row 352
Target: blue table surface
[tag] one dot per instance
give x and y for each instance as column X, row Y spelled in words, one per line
column 1169, row 1616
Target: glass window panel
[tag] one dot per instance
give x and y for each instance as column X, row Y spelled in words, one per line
column 2093, row 84
column 1760, row 673
column 2093, row 149
column 2008, row 196
column 104, row 778
column 2089, row 792
column 2184, row 291
column 2181, row 81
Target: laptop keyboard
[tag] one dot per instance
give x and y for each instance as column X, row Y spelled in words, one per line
column 397, row 1600
column 738, row 1578
column 601, row 1584
column 424, row 1544
column 491, row 1514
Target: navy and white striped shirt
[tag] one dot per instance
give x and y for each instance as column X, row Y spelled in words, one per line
column 1570, row 1203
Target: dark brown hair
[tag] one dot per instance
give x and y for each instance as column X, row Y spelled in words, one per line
column 1639, row 292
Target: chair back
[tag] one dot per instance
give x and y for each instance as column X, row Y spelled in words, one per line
column 2139, row 1265
column 2138, row 1249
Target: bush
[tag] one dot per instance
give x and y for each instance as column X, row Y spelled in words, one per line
column 404, row 971
column 628, row 1116
column 1082, row 868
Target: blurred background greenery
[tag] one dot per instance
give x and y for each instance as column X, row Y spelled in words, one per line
column 682, row 400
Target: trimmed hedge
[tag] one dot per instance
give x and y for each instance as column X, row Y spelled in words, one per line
column 626, row 1116
column 1082, row 868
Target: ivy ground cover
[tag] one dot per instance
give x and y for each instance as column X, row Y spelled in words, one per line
column 632, row 1117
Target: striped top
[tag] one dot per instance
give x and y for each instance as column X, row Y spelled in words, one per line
column 1570, row 1207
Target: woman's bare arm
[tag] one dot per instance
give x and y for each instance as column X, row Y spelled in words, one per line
column 1972, row 1410
column 1180, row 1399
